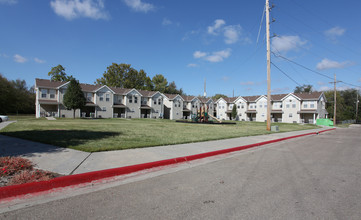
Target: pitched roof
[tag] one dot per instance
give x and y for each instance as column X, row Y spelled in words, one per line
column 204, row 99
column 89, row 87
column 278, row 97
column 230, row 99
column 309, row 96
column 146, row 93
column 170, row 96
column 46, row 83
column 188, row 98
column 251, row 98
column 120, row 91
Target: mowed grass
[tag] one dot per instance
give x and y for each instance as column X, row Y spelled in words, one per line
column 117, row 134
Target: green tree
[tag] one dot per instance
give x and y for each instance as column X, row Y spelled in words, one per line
column 160, row 83
column 303, row 89
column 218, row 96
column 234, row 111
column 74, row 97
column 135, row 79
column 172, row 89
column 114, row 76
column 57, row 73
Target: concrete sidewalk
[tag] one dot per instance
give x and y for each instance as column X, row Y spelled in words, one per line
column 68, row 161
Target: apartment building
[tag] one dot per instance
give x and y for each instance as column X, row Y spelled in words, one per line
column 101, row 101
column 288, row 108
column 173, row 106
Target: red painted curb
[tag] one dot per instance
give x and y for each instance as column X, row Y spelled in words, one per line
column 64, row 181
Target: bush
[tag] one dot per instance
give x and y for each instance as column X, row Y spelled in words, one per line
column 28, row 176
column 12, row 165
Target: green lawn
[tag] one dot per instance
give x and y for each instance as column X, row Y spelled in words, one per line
column 116, row 134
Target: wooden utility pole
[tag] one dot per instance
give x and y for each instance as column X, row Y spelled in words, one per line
column 268, row 68
column 357, row 101
column 334, row 99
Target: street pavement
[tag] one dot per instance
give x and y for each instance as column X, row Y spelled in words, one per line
column 46, row 157
column 313, row 177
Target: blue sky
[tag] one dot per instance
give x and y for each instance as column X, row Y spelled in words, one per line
column 186, row 41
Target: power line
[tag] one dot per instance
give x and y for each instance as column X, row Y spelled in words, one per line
column 280, row 56
column 285, row 74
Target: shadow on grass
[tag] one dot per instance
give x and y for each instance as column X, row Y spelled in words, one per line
column 48, row 139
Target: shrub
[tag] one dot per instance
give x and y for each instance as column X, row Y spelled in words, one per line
column 12, row 165
column 27, row 176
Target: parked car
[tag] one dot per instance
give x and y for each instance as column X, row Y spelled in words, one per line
column 3, row 118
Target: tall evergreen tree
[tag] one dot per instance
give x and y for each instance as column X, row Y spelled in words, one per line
column 234, row 111
column 74, row 97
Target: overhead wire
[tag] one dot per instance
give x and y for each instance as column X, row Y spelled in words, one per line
column 286, row 74
column 280, row 56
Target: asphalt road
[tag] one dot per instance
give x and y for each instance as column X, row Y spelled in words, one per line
column 314, row 177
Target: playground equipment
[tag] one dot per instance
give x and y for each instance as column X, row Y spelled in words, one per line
column 202, row 115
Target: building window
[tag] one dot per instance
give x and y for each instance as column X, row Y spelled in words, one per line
column 130, row 99
column 305, row 106
column 290, row 115
column 101, row 97
column 107, row 97
column 52, row 93
column 293, row 105
column 260, row 106
column 43, row 93
column 287, row 105
column 159, row 101
column 155, row 102
column 312, row 105
column 242, row 106
column 265, row 105
column 135, row 99
column 251, row 106
column 89, row 97
column 280, row 105
column 223, row 106
column 104, row 108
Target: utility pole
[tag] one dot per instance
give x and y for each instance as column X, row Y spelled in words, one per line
column 357, row 101
column 334, row 100
column 268, row 68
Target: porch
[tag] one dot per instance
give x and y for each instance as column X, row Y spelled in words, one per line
column 49, row 108
column 119, row 111
column 145, row 111
column 308, row 116
column 251, row 115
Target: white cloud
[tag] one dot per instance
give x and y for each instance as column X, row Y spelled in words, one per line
column 39, row 60
column 19, row 59
column 287, row 43
column 71, row 9
column 218, row 56
column 192, row 65
column 166, row 22
column 216, row 27
column 330, row 64
column 214, row 57
column 199, row 54
column 247, row 83
column 232, row 33
column 138, row 5
column 9, row 2
column 334, row 32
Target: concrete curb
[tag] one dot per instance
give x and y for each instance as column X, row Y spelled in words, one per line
column 76, row 179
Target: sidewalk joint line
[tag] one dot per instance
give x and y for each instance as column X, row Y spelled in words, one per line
column 71, row 173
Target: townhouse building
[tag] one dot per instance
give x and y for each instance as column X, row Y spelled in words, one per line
column 173, row 106
column 112, row 102
column 101, row 101
column 288, row 108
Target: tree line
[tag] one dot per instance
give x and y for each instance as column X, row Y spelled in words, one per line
column 16, row 97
